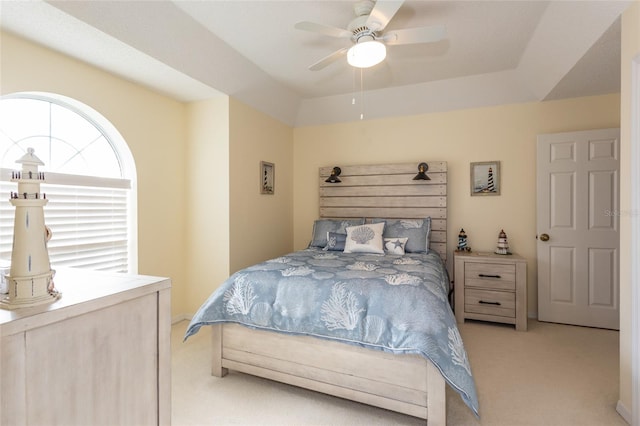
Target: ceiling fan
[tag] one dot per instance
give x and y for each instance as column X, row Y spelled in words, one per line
column 367, row 34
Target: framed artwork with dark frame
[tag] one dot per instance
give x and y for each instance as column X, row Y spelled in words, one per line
column 485, row 178
column 267, row 178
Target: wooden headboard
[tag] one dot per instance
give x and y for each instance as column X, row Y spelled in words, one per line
column 389, row 191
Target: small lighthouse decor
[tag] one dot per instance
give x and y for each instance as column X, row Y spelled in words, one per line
column 503, row 245
column 462, row 241
column 30, row 279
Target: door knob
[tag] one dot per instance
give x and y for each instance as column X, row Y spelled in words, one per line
column 544, row 237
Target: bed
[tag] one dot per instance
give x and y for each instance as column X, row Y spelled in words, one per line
column 363, row 312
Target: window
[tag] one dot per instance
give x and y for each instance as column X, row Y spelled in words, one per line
column 90, row 181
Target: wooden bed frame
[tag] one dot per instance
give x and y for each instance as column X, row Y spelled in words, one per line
column 408, row 384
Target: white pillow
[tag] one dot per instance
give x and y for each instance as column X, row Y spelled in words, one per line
column 395, row 245
column 364, row 239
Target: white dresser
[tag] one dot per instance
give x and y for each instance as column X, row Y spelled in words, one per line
column 98, row 356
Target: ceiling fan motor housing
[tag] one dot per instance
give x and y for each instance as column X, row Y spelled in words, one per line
column 359, row 28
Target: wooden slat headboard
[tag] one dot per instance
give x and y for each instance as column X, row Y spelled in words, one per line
column 389, row 191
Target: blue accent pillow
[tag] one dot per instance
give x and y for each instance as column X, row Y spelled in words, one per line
column 418, row 232
column 335, row 241
column 322, row 226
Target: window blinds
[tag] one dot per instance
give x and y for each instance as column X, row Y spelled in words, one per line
column 88, row 217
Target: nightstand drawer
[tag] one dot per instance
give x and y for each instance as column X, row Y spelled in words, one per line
column 490, row 275
column 501, row 303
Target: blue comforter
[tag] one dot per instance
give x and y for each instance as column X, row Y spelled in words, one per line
column 392, row 303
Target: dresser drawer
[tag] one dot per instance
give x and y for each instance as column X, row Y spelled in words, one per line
column 500, row 303
column 490, row 275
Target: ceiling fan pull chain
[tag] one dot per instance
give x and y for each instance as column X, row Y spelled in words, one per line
column 361, row 94
column 353, row 98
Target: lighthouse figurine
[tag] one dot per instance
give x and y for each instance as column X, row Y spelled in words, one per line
column 30, row 279
column 503, row 245
column 462, row 241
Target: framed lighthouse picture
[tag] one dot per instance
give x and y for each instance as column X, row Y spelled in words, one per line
column 267, row 178
column 485, row 178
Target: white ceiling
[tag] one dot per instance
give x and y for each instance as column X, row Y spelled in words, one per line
column 495, row 52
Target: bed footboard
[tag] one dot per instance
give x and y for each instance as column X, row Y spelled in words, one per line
column 407, row 384
column 216, row 352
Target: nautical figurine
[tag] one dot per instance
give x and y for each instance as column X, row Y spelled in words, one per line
column 462, row 241
column 30, row 279
column 503, row 245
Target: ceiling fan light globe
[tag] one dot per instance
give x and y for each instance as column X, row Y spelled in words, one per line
column 366, row 54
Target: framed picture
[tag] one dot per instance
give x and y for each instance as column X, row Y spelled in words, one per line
column 485, row 178
column 267, row 177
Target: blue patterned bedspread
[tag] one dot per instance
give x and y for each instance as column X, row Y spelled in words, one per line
column 392, row 303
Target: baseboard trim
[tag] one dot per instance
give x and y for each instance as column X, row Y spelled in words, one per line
column 622, row 410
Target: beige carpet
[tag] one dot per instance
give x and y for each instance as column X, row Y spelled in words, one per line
column 550, row 375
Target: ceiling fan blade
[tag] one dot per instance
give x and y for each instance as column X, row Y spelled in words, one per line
column 328, row 59
column 382, row 13
column 416, row 35
column 323, row 29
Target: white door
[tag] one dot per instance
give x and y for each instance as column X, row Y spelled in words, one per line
column 578, row 228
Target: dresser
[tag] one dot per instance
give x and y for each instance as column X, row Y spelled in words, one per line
column 100, row 355
column 491, row 287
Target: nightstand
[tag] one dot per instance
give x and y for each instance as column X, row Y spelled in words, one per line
column 491, row 287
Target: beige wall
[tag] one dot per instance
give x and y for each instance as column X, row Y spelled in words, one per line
column 505, row 133
column 260, row 224
column 207, row 209
column 152, row 125
column 630, row 50
column 229, row 223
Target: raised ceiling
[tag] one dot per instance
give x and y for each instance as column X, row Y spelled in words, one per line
column 495, row 52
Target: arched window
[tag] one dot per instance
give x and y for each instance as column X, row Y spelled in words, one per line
column 90, row 180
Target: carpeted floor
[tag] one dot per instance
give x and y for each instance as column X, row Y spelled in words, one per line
column 550, row 375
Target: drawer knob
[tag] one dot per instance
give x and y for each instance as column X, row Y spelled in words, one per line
column 484, row 302
column 489, row 276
